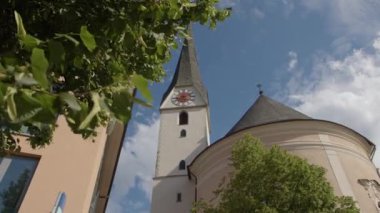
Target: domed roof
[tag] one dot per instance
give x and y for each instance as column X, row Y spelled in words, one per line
column 266, row 110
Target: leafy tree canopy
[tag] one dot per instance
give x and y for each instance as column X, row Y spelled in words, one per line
column 82, row 59
column 271, row 180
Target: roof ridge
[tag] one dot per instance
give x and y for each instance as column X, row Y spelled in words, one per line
column 266, row 110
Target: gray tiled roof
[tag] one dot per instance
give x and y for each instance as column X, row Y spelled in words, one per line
column 266, row 110
column 187, row 71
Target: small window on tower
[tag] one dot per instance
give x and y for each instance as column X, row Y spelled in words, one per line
column 183, row 133
column 179, row 197
column 182, row 165
column 183, row 118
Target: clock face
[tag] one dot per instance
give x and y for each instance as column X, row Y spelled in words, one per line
column 183, row 97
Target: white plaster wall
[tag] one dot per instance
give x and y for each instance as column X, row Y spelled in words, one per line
column 343, row 153
column 172, row 148
column 165, row 191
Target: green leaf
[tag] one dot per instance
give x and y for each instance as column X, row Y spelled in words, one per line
column 142, row 8
column 141, row 39
column 68, row 37
column 78, row 62
column 30, row 114
column 70, row 100
column 3, row 72
column 87, row 38
column 39, row 67
column 189, row 4
column 142, row 86
column 2, row 92
column 30, row 41
column 27, row 106
column 95, row 109
column 161, row 48
column 141, row 102
column 21, row 32
column 56, row 52
column 11, row 105
column 49, row 112
column 70, row 120
column 25, row 79
column 121, row 105
column 10, row 61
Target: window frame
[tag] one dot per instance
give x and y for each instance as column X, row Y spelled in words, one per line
column 182, row 165
column 183, row 133
column 37, row 159
column 183, row 118
column 179, row 197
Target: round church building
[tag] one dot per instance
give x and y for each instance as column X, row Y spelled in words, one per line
column 345, row 154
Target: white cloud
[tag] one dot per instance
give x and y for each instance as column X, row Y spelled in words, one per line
column 296, row 82
column 288, row 6
column 345, row 90
column 348, row 17
column 139, row 114
column 341, row 45
column 257, row 13
column 293, row 60
column 136, row 205
column 114, row 206
column 351, row 19
column 376, row 43
column 136, row 163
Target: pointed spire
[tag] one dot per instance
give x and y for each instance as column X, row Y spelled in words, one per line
column 187, row 71
column 266, row 110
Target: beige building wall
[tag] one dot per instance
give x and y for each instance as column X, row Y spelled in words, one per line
column 69, row 165
column 344, row 154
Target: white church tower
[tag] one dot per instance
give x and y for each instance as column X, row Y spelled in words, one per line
column 184, row 133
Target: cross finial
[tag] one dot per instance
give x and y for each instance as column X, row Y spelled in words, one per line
column 260, row 90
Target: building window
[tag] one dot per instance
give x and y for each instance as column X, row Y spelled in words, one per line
column 182, row 165
column 24, row 130
column 183, row 118
column 183, row 133
column 15, row 175
column 179, row 197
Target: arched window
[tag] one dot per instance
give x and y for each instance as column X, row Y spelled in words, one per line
column 182, row 165
column 183, row 118
column 183, row 133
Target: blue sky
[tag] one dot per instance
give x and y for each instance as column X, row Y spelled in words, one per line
column 321, row 57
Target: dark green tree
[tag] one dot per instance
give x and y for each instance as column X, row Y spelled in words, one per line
column 82, row 59
column 271, row 180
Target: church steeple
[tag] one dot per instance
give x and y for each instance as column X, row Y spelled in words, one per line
column 187, row 70
column 184, row 133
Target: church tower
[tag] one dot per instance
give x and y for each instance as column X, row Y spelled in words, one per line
column 184, row 133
